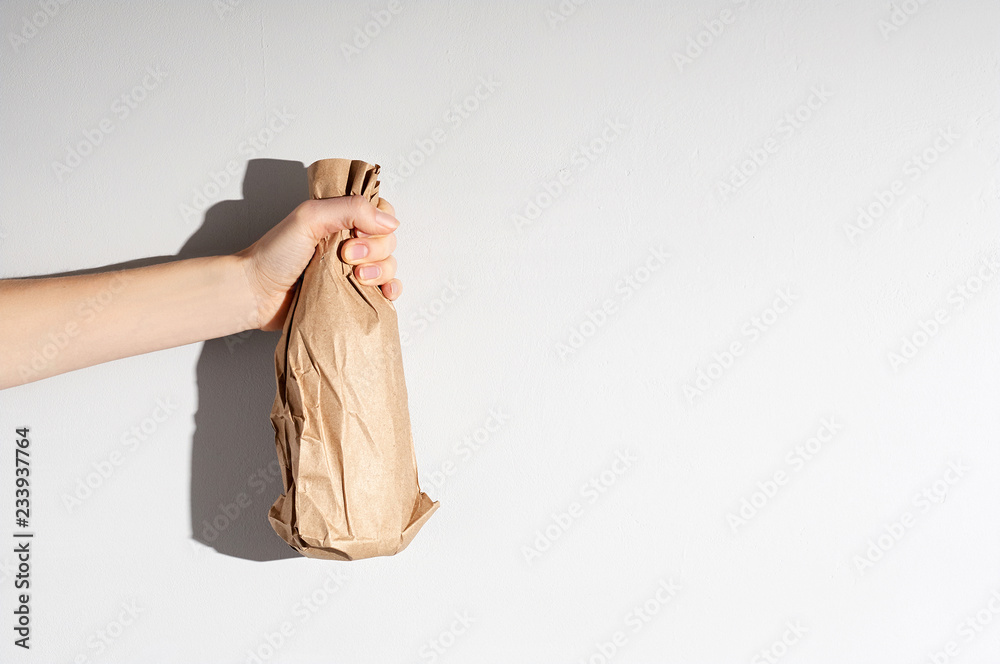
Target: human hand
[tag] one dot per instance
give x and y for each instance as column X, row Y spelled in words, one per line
column 274, row 263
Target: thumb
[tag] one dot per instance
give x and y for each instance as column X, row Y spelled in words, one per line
column 384, row 206
column 330, row 215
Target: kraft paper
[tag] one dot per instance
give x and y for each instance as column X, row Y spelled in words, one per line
column 340, row 416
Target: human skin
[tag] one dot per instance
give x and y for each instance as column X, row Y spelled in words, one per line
column 49, row 326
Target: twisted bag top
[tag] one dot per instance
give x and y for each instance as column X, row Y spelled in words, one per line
column 340, row 417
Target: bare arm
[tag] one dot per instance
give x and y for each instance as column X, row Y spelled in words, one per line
column 50, row 326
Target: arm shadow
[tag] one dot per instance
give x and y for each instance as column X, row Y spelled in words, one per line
column 235, row 474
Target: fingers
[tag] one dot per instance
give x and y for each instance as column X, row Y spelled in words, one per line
column 376, row 274
column 326, row 216
column 383, row 205
column 373, row 257
column 370, row 249
column 392, row 289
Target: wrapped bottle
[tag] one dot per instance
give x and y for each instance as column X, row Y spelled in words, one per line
column 340, row 416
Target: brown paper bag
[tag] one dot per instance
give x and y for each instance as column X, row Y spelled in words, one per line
column 340, row 417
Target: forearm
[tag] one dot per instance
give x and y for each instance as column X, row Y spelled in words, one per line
column 50, row 326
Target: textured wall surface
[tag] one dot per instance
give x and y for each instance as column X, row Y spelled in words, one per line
column 700, row 327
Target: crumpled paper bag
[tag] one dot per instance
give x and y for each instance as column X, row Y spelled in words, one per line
column 340, row 416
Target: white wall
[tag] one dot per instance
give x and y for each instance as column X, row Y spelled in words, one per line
column 881, row 98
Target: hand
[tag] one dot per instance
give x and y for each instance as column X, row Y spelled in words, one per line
column 274, row 263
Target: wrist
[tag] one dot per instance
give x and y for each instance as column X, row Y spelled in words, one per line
column 243, row 291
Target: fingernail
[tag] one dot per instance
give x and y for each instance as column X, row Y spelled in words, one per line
column 369, row 272
column 385, row 220
column 355, row 251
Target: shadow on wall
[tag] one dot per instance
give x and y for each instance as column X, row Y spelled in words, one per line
column 235, row 474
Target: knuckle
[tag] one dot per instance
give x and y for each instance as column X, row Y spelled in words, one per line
column 360, row 207
column 384, row 246
column 307, row 210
